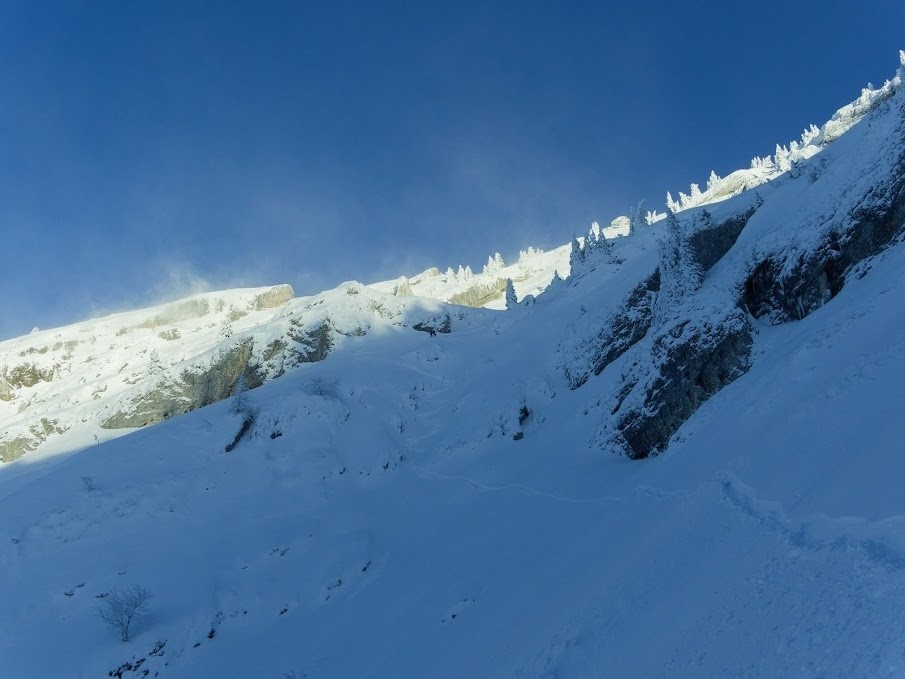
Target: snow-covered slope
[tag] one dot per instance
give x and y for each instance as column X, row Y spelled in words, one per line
column 92, row 381
column 427, row 503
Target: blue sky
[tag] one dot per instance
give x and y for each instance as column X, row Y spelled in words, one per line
column 153, row 148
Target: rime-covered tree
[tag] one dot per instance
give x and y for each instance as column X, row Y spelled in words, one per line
column 783, row 158
column 511, row 300
column 680, row 273
column 494, row 264
column 576, row 258
column 636, row 218
column 602, row 252
column 672, row 205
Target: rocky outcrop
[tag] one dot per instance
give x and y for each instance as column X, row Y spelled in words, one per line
column 237, row 367
column 195, row 388
column 480, row 294
column 692, row 364
column 6, row 390
column 26, row 375
column 435, row 325
column 312, row 343
column 616, row 333
column 15, row 447
column 691, row 361
column 780, row 289
column 138, row 368
column 844, row 208
column 276, row 296
column 175, row 313
column 710, row 241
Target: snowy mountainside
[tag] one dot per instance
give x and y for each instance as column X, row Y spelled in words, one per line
column 94, row 380
column 196, row 336
column 424, row 503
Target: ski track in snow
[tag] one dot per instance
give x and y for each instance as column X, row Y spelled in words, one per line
column 873, row 539
column 484, row 487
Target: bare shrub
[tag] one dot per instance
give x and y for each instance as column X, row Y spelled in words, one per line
column 122, row 607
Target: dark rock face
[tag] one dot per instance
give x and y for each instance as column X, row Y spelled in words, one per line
column 312, row 343
column 695, row 363
column 443, row 325
column 619, row 333
column 710, row 243
column 781, row 290
column 631, row 324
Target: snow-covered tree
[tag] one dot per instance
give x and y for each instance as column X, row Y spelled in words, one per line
column 783, row 158
column 494, row 264
column 511, row 300
column 671, row 205
column 652, row 216
column 576, row 256
column 636, row 218
column 680, row 273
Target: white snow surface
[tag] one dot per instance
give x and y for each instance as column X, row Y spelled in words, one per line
column 380, row 520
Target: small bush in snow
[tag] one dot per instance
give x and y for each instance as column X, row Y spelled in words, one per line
column 121, row 608
column 323, row 387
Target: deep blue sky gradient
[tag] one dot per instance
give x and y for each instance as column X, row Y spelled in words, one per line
column 153, row 148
